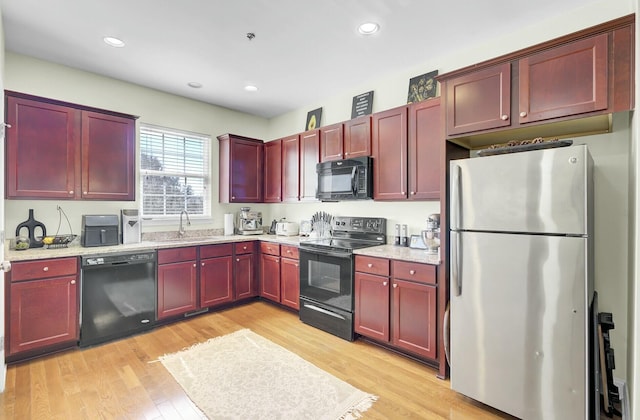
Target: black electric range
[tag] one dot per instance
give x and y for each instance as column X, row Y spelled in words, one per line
column 327, row 273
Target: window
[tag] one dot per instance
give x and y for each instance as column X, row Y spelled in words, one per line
column 174, row 172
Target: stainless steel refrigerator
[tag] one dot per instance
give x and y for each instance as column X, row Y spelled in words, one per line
column 521, row 238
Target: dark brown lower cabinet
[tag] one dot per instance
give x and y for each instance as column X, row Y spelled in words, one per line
column 244, row 270
column 177, row 281
column 395, row 304
column 290, row 277
column 42, row 305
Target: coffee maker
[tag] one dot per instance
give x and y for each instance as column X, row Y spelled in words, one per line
column 249, row 222
column 431, row 235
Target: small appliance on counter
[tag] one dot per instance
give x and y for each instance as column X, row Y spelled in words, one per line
column 249, row 222
column 431, row 235
column 99, row 230
column 305, row 227
column 131, row 229
column 284, row 228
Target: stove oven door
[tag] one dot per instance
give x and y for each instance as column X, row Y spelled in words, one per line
column 326, row 276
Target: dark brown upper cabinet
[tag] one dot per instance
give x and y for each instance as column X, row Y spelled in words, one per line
column 57, row 150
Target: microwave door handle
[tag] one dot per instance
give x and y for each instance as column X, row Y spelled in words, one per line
column 354, row 184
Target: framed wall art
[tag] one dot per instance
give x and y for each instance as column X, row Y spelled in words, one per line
column 422, row 87
column 362, row 104
column 313, row 119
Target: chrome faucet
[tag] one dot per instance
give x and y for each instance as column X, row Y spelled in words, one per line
column 181, row 230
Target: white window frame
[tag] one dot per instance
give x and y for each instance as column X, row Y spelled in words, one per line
column 206, row 176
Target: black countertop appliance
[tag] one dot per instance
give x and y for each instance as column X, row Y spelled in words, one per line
column 100, row 230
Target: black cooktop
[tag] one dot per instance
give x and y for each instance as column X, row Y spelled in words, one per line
column 349, row 233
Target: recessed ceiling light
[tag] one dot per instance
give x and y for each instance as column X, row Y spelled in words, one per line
column 114, row 42
column 250, row 88
column 195, row 85
column 368, row 28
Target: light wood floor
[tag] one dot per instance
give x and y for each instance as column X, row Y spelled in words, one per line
column 123, row 379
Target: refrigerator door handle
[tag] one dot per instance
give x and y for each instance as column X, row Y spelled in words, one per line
column 456, row 199
column 455, row 263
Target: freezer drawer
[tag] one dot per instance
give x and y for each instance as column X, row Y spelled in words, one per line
column 542, row 191
column 519, row 323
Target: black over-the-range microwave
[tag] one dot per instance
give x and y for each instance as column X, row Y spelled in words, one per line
column 347, row 179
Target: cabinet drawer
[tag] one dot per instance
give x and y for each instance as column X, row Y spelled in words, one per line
column 245, row 247
column 424, row 273
column 55, row 267
column 372, row 265
column 166, row 256
column 212, row 251
column 289, row 251
column 269, row 248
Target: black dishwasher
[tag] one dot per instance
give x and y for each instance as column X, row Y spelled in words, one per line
column 118, row 295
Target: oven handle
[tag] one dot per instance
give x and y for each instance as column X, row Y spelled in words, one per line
column 327, row 253
column 354, row 183
column 324, row 311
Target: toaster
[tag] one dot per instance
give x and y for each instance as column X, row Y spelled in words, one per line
column 287, row 228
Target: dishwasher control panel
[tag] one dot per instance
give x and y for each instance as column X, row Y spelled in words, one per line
column 118, row 258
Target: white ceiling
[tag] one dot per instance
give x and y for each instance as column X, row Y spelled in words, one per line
column 303, row 50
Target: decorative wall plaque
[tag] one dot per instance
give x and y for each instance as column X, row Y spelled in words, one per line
column 313, row 119
column 362, row 104
column 422, row 87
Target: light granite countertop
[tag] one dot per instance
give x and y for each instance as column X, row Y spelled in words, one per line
column 75, row 249
column 163, row 242
column 395, row 252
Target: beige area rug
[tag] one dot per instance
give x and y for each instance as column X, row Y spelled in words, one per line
column 245, row 376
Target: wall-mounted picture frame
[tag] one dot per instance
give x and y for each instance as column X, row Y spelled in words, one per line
column 313, row 119
column 422, row 87
column 362, row 104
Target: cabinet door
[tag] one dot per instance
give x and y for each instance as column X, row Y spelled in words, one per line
column 43, row 149
column 309, row 158
column 270, row 277
column 389, row 151
column 176, row 289
column 479, row 101
column 245, row 276
column 357, row 137
column 372, row 306
column 425, row 139
column 290, row 280
column 273, row 171
column 331, row 142
column 413, row 317
column 42, row 313
column 567, row 80
column 108, row 157
column 291, row 168
column 216, row 279
column 246, row 171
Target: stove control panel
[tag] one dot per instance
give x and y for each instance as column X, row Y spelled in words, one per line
column 376, row 225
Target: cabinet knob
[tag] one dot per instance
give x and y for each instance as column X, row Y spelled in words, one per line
column 346, row 153
column 384, row 283
column 412, row 272
column 395, row 285
column 45, row 268
column 194, row 265
column 504, row 117
column 369, row 265
column 233, row 197
column 202, row 264
column 71, row 192
column 244, row 248
column 288, row 251
column 523, row 114
column 238, row 259
column 84, row 192
column 73, row 282
column 402, row 192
